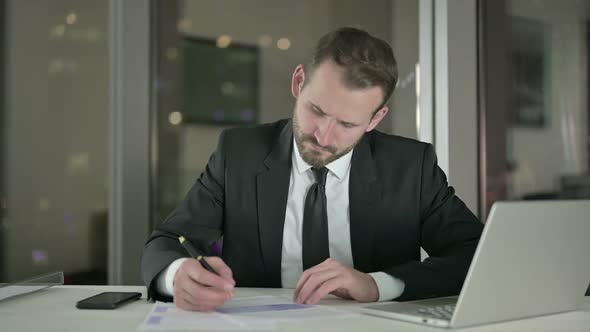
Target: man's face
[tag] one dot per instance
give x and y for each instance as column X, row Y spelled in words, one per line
column 330, row 118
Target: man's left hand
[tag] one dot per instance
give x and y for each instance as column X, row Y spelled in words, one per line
column 332, row 277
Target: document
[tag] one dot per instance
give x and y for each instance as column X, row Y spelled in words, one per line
column 167, row 317
column 279, row 308
column 246, row 313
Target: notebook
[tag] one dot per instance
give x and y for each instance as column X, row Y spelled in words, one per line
column 532, row 259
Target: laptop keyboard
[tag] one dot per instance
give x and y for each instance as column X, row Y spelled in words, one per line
column 440, row 311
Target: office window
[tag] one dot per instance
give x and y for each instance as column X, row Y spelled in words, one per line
column 281, row 35
column 536, row 106
column 54, row 145
column 223, row 82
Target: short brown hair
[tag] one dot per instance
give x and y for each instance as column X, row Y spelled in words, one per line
column 368, row 61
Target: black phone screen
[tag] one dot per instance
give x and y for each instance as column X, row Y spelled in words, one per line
column 107, row 300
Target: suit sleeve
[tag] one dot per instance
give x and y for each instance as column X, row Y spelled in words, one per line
column 199, row 218
column 449, row 233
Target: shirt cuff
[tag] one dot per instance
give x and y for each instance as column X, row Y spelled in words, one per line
column 389, row 287
column 165, row 282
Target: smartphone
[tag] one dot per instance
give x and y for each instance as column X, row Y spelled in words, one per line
column 107, row 300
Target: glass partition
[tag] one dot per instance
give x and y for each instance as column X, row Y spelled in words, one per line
column 54, row 113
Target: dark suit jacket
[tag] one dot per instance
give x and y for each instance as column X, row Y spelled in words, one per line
column 399, row 200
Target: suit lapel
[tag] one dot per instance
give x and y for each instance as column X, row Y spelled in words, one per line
column 363, row 192
column 272, row 187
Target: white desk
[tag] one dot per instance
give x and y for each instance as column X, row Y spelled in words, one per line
column 54, row 310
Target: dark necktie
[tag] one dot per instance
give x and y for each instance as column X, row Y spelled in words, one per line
column 315, row 243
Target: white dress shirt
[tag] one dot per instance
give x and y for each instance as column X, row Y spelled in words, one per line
column 338, row 227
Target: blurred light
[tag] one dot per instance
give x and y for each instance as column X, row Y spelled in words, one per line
column 175, row 118
column 78, row 163
column 172, row 53
column 56, row 66
column 247, row 115
column 68, row 218
column 223, row 41
column 264, row 41
column 70, row 66
column 58, row 31
column 60, row 65
column 228, row 88
column 39, row 256
column 70, row 225
column 44, row 204
column 283, row 44
column 71, row 18
column 218, row 115
column 184, row 25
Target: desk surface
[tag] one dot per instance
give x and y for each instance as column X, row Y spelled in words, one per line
column 54, row 310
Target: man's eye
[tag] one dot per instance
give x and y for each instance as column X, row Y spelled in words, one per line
column 316, row 111
column 347, row 125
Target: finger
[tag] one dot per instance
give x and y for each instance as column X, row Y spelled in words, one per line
column 200, row 275
column 342, row 293
column 183, row 301
column 327, row 264
column 220, row 267
column 302, row 280
column 200, row 294
column 324, row 289
column 314, row 281
column 199, row 297
column 322, row 266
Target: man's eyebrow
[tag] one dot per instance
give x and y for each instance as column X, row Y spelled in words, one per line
column 317, row 107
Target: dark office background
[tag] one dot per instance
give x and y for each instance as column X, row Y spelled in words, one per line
column 534, row 107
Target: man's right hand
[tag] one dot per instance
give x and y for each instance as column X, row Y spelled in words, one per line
column 197, row 289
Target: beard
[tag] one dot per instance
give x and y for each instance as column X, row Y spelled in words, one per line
column 313, row 157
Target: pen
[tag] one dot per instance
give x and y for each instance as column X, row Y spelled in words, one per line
column 195, row 254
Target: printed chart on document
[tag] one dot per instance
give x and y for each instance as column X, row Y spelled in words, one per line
column 246, row 313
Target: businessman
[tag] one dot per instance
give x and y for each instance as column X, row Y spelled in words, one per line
column 322, row 202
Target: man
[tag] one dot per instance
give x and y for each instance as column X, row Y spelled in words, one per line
column 323, row 203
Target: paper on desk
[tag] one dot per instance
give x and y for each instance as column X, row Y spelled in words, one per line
column 279, row 308
column 166, row 316
column 247, row 313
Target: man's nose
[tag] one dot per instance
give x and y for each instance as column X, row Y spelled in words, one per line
column 325, row 132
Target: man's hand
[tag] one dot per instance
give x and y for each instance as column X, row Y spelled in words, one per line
column 197, row 289
column 332, row 277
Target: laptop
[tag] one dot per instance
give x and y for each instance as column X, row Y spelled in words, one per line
column 532, row 260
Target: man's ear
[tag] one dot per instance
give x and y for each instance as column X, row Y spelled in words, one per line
column 377, row 118
column 297, row 81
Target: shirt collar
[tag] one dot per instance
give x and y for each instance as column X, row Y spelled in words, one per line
column 338, row 167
